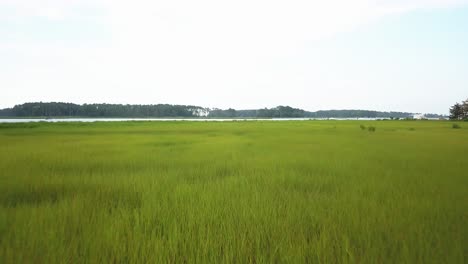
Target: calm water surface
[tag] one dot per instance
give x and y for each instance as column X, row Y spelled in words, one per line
column 25, row 120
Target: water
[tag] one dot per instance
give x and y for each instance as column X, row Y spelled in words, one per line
column 53, row 120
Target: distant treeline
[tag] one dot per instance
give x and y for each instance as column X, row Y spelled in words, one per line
column 187, row 111
column 286, row 111
column 101, row 110
column 276, row 112
column 364, row 113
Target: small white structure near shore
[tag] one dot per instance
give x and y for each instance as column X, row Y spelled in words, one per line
column 419, row 116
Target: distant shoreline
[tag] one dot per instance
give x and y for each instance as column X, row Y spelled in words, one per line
column 69, row 110
column 91, row 120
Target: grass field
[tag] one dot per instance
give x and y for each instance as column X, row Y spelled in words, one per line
column 244, row 192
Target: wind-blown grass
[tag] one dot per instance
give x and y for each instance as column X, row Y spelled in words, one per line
column 307, row 191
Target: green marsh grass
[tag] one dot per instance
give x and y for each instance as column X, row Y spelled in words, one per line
column 244, row 192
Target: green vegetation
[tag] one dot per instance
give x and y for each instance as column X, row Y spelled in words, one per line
column 259, row 192
column 459, row 111
column 101, row 110
column 187, row 111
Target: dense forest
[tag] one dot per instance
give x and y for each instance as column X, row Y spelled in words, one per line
column 276, row 112
column 187, row 111
column 101, row 110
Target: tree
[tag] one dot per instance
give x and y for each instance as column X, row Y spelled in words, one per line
column 459, row 111
column 456, row 111
column 465, row 109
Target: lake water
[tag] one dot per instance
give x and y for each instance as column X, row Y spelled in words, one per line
column 26, row 120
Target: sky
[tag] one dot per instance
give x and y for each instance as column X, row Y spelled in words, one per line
column 387, row 55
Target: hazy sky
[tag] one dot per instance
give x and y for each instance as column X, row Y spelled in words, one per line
column 403, row 55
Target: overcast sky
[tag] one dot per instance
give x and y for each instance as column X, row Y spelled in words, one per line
column 402, row 55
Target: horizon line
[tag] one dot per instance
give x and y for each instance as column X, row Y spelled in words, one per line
column 216, row 108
